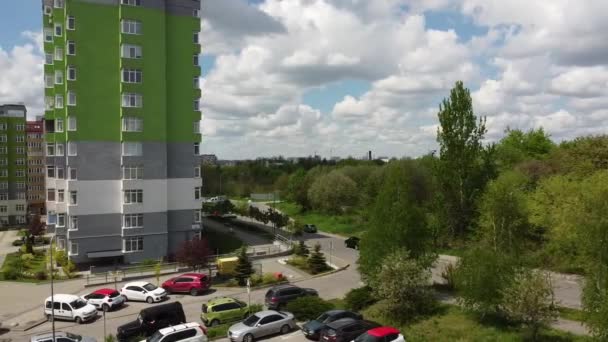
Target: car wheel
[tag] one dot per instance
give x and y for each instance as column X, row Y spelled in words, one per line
column 78, row 320
column 105, row 307
column 285, row 329
column 193, row 292
column 248, row 338
column 150, row 300
column 214, row 323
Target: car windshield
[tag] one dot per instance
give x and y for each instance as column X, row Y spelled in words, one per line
column 366, row 338
column 114, row 294
column 251, row 320
column 74, row 337
column 322, row 318
column 156, row 337
column 150, row 287
column 78, row 303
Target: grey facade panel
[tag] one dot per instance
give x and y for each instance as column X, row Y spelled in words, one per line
column 155, row 247
column 98, row 225
column 175, row 240
column 103, row 2
column 97, row 160
column 181, row 160
column 180, row 220
column 182, row 7
column 98, row 244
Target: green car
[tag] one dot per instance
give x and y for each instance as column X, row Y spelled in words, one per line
column 225, row 309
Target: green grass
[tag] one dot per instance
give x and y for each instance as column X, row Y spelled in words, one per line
column 338, row 303
column 571, row 314
column 37, row 264
column 346, row 225
column 221, row 331
column 223, row 243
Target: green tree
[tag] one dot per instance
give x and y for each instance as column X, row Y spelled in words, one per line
column 35, row 228
column 301, row 249
column 404, row 285
column 518, row 146
column 243, row 268
column 157, row 270
column 459, row 172
column 316, row 261
column 297, row 188
column 332, row 192
column 397, row 218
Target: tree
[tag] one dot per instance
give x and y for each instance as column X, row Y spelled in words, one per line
column 459, row 172
column 301, row 249
column 36, row 228
column 332, row 192
column 243, row 268
column 530, row 300
column 404, row 285
column 219, row 208
column 397, row 218
column 297, row 188
column 518, row 146
column 194, row 253
column 316, row 261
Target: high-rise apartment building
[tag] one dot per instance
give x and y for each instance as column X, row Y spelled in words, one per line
column 35, row 167
column 122, row 126
column 13, row 165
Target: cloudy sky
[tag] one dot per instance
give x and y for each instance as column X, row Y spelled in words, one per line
column 340, row 77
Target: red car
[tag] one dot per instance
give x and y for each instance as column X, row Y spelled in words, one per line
column 381, row 334
column 193, row 283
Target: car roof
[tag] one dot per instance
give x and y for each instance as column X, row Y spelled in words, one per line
column 63, row 297
column 178, row 327
column 383, row 331
column 137, row 283
column 195, row 275
column 337, row 324
column 334, row 312
column 265, row 313
column 285, row 286
column 220, row 300
column 49, row 335
column 105, row 291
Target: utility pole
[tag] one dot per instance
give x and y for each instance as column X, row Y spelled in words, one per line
column 52, row 289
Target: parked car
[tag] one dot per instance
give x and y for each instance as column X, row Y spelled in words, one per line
column 143, row 291
column 278, row 296
column 151, row 320
column 381, row 334
column 189, row 332
column 345, row 330
column 261, row 324
column 222, row 310
column 352, row 242
column 62, row 337
column 105, row 299
column 193, row 283
column 69, row 307
column 312, row 329
column 310, row 228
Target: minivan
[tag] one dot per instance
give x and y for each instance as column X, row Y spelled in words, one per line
column 152, row 319
column 69, row 307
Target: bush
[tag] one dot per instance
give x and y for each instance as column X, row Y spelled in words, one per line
column 18, row 242
column 61, row 258
column 148, row 262
column 308, row 307
column 219, row 331
column 449, row 277
column 11, row 273
column 253, row 308
column 68, row 269
column 359, row 298
column 41, row 275
column 256, row 280
column 27, row 258
column 299, row 262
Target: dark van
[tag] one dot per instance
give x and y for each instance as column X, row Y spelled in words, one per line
column 152, row 319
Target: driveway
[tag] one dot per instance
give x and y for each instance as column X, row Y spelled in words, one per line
column 6, row 243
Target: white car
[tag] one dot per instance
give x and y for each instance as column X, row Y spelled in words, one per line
column 105, row 299
column 188, row 332
column 143, row 291
column 69, row 307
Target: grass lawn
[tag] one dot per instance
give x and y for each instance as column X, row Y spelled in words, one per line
column 347, row 225
column 222, row 242
column 571, row 314
column 35, row 265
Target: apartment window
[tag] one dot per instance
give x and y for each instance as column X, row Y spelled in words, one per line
column 131, row 76
column 3, row 162
column 3, row 185
column 195, row 37
column 60, row 195
column 3, row 208
column 58, row 30
column 196, row 13
column 132, row 172
column 48, row 10
column 49, row 81
column 132, row 124
column 20, row 173
column 3, row 197
column 71, row 73
column 132, row 100
column 71, row 23
column 60, row 220
column 20, row 161
column 133, row 196
column 59, row 101
column 21, row 219
column 197, row 105
column 73, row 173
column 48, row 102
column 60, row 173
column 134, row 244
column 21, row 195
column 72, row 149
column 71, row 48
column 20, row 207
column 195, row 60
column 131, row 2
column 48, row 35
column 131, row 26
column 20, row 185
column 3, row 126
column 50, row 195
column 133, row 221
column 131, row 51
column 197, row 127
column 20, row 138
column 131, row 148
column 197, row 216
column 58, row 53
column 73, row 197
column 59, row 150
column 58, row 77
column 58, row 125
column 58, row 3
column 197, row 172
column 197, row 149
column 72, row 123
column 48, row 58
column 198, row 193
column 73, row 223
column 73, row 248
column 20, row 127
column 50, row 172
column 3, row 138
column 71, row 98
column 195, row 83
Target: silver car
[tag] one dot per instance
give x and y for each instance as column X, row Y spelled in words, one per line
column 62, row 337
column 261, row 324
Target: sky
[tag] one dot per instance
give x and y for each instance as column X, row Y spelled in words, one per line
column 341, row 77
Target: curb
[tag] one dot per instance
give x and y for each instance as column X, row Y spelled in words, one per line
column 30, row 326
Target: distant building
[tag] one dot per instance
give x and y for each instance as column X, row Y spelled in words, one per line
column 209, row 159
column 13, row 165
column 35, row 167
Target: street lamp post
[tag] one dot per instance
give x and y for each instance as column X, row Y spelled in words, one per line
column 52, row 288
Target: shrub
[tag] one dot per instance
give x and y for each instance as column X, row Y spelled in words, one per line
column 308, row 307
column 232, row 283
column 299, row 262
column 61, row 258
column 256, row 280
column 68, row 269
column 219, row 331
column 359, row 298
column 316, row 261
column 148, row 262
column 253, row 308
column 272, row 278
column 27, row 258
column 110, row 338
column 18, row 242
column 449, row 277
column 11, row 273
column 41, row 275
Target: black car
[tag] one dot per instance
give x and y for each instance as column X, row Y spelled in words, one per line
column 310, row 228
column 312, row 329
column 152, row 319
column 346, row 329
column 278, row 296
column 352, row 242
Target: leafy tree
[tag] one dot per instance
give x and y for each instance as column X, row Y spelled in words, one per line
column 397, row 218
column 404, row 285
column 36, row 228
column 68, row 269
column 518, row 146
column 359, row 298
column 333, row 191
column 219, row 208
column 243, row 268
column 530, row 300
column 297, row 188
column 459, row 172
column 194, row 253
column 316, row 261
column 583, row 155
